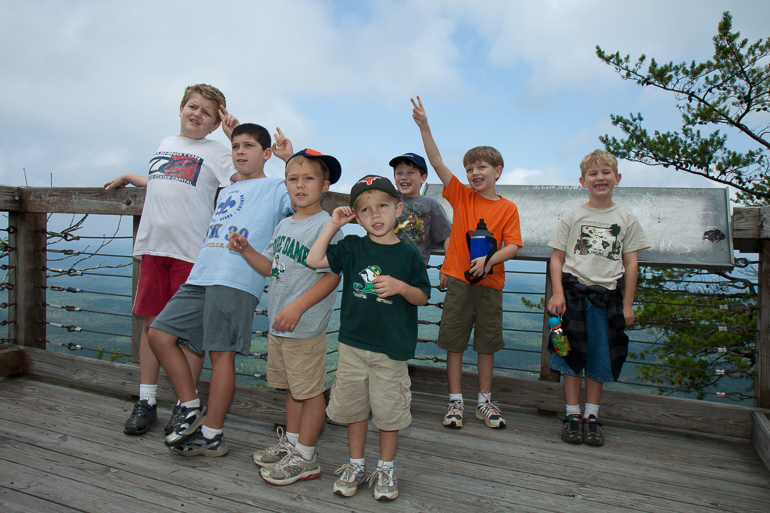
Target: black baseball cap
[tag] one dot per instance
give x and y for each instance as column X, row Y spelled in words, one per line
column 335, row 169
column 411, row 157
column 371, row 182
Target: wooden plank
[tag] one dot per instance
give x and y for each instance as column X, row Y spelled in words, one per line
column 332, row 200
column 652, row 410
column 10, row 198
column 764, row 222
column 762, row 360
column 13, row 501
column 137, row 321
column 27, row 294
column 11, row 361
column 546, row 373
column 83, row 200
column 251, row 402
column 746, row 223
column 760, row 437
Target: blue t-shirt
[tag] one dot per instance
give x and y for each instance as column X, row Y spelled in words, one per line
column 252, row 208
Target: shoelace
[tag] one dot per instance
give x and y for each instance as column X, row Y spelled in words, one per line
column 141, row 409
column 283, row 442
column 489, row 409
column 455, row 408
column 349, row 472
column 381, row 473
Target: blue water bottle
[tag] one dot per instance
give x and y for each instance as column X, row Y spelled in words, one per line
column 480, row 245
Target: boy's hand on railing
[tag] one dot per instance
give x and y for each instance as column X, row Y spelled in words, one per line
column 116, row 183
column 125, row 179
column 229, row 122
column 418, row 113
column 282, row 147
column 237, row 242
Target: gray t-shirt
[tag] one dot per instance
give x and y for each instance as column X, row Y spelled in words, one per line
column 290, row 276
column 423, row 222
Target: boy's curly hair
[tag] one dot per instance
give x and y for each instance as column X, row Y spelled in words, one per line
column 483, row 153
column 318, row 163
column 600, row 156
column 209, row 92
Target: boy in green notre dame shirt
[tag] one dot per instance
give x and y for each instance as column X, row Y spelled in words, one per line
column 384, row 280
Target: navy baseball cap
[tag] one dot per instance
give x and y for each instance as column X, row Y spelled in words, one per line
column 335, row 169
column 411, row 157
column 371, row 182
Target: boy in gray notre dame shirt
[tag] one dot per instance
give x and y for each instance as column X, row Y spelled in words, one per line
column 299, row 303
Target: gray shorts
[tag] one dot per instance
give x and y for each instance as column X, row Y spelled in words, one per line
column 212, row 318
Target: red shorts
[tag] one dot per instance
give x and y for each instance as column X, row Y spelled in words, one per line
column 159, row 279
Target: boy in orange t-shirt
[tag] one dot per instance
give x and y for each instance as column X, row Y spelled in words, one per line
column 476, row 283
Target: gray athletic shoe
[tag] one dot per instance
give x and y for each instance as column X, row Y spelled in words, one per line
column 198, row 445
column 275, row 453
column 385, row 483
column 290, row 469
column 352, row 476
column 172, row 420
column 141, row 417
column 190, row 419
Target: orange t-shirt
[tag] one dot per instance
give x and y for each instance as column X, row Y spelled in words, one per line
column 501, row 217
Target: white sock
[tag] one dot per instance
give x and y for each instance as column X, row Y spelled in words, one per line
column 293, row 438
column 386, row 464
column 573, row 409
column 195, row 403
column 178, row 402
column 305, row 451
column 209, row 433
column 356, row 461
column 485, row 397
column 148, row 393
column 592, row 409
column 455, row 397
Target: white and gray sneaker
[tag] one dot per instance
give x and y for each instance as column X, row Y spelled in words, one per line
column 385, row 483
column 352, row 475
column 275, row 453
column 453, row 417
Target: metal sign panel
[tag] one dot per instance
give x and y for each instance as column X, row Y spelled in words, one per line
column 687, row 227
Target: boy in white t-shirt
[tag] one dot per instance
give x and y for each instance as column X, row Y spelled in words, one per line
column 184, row 175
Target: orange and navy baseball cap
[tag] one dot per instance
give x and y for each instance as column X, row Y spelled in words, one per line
column 370, row 182
column 335, row 169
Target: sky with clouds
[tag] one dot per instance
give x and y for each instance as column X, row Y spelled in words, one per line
column 90, row 87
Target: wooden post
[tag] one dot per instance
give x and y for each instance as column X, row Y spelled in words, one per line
column 762, row 362
column 137, row 321
column 27, row 295
column 546, row 373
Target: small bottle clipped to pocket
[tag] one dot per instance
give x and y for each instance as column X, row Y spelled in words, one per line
column 558, row 337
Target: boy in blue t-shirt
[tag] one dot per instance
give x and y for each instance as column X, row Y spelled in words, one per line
column 213, row 310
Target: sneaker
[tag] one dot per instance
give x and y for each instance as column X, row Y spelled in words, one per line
column 290, row 469
column 572, row 431
column 141, row 418
column 188, row 422
column 172, row 420
column 490, row 414
column 273, row 454
column 454, row 414
column 352, row 475
column 385, row 483
column 198, row 445
column 592, row 431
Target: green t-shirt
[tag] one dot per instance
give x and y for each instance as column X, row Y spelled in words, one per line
column 387, row 326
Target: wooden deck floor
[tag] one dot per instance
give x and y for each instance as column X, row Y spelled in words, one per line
column 62, row 450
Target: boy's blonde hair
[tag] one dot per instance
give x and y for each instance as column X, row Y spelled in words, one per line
column 483, row 153
column 209, row 92
column 319, row 164
column 599, row 156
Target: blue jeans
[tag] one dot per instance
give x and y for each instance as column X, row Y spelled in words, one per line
column 598, row 363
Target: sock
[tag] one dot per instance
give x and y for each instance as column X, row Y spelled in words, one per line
column 485, row 397
column 592, row 409
column 178, row 402
column 386, row 464
column 356, row 461
column 455, row 397
column 209, row 433
column 293, row 438
column 305, row 451
column 195, row 403
column 573, row 410
column 148, row 393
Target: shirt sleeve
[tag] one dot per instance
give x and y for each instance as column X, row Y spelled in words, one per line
column 635, row 240
column 223, row 166
column 269, row 251
column 284, row 201
column 561, row 237
column 337, row 254
column 512, row 229
column 337, row 237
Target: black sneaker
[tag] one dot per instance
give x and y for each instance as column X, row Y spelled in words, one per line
column 572, row 431
column 592, row 431
column 172, row 420
column 189, row 420
column 141, row 418
column 199, row 445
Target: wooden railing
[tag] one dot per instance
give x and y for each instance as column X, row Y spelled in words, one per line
column 27, row 213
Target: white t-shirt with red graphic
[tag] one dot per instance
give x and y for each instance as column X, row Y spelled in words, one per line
column 183, row 178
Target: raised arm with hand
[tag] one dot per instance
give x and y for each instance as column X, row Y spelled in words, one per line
column 229, row 122
column 282, row 147
column 434, row 157
column 317, row 256
column 258, row 261
column 123, row 180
